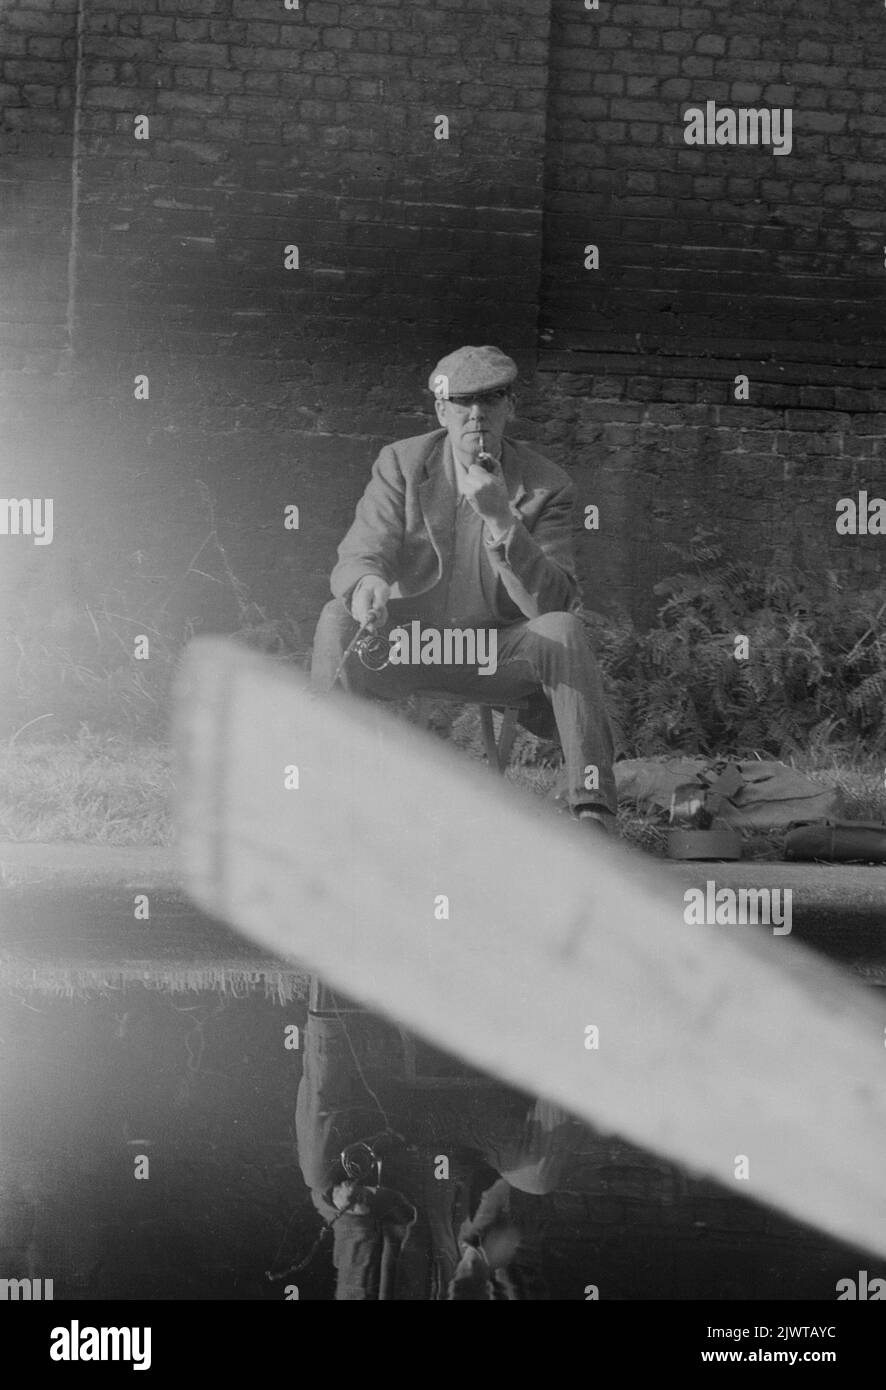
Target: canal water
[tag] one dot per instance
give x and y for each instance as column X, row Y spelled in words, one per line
column 174, row 1110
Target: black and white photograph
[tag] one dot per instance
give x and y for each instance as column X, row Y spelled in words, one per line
column 443, row 670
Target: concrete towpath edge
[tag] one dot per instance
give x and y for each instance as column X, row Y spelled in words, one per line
column 859, row 886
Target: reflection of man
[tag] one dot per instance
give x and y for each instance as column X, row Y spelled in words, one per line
column 369, row 1222
column 505, row 1151
column 498, row 1244
column 465, row 528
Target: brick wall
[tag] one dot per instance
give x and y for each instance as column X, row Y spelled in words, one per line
column 699, row 243
column 37, row 82
column 714, row 262
column 270, row 128
column 315, row 127
column 660, row 445
column 37, row 48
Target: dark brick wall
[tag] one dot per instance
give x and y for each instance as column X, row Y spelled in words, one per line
column 268, row 128
column 702, row 242
column 315, row 127
column 660, row 445
column 37, row 48
column 38, row 44
column 714, row 262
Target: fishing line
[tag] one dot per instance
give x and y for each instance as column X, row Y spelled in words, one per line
column 360, row 1072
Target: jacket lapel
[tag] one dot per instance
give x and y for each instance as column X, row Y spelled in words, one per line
column 513, row 475
column 438, row 497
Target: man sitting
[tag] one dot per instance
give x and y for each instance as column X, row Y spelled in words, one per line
column 464, row 530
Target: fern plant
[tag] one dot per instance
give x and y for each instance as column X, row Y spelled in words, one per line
column 815, row 675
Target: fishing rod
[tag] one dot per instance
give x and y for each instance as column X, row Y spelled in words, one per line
column 372, row 647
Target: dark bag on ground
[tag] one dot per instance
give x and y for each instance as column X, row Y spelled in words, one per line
column 837, row 841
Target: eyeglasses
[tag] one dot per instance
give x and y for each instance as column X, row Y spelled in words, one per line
column 478, row 398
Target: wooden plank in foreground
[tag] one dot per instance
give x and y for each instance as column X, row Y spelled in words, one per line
column 715, row 1042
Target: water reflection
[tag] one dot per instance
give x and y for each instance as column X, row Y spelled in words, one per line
column 426, row 1174
column 361, row 1164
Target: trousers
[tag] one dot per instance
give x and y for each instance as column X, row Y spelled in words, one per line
column 549, row 653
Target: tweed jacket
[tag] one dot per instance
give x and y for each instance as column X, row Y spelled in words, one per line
column 403, row 527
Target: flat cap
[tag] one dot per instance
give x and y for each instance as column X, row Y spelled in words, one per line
column 471, row 369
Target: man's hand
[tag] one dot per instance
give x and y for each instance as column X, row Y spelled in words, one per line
column 350, row 1196
column 487, row 494
column 371, row 597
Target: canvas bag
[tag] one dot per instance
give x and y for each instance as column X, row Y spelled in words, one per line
column 770, row 794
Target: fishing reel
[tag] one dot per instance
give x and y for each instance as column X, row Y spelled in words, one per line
column 373, row 649
column 360, row 1163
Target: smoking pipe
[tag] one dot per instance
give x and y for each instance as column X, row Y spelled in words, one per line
column 485, row 460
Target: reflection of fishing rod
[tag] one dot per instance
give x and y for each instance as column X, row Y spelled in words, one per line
column 274, row 1277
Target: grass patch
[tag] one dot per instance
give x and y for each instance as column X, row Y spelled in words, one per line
column 91, row 789
column 861, row 785
column 108, row 789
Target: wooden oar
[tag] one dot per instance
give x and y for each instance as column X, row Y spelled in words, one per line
column 726, row 1048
